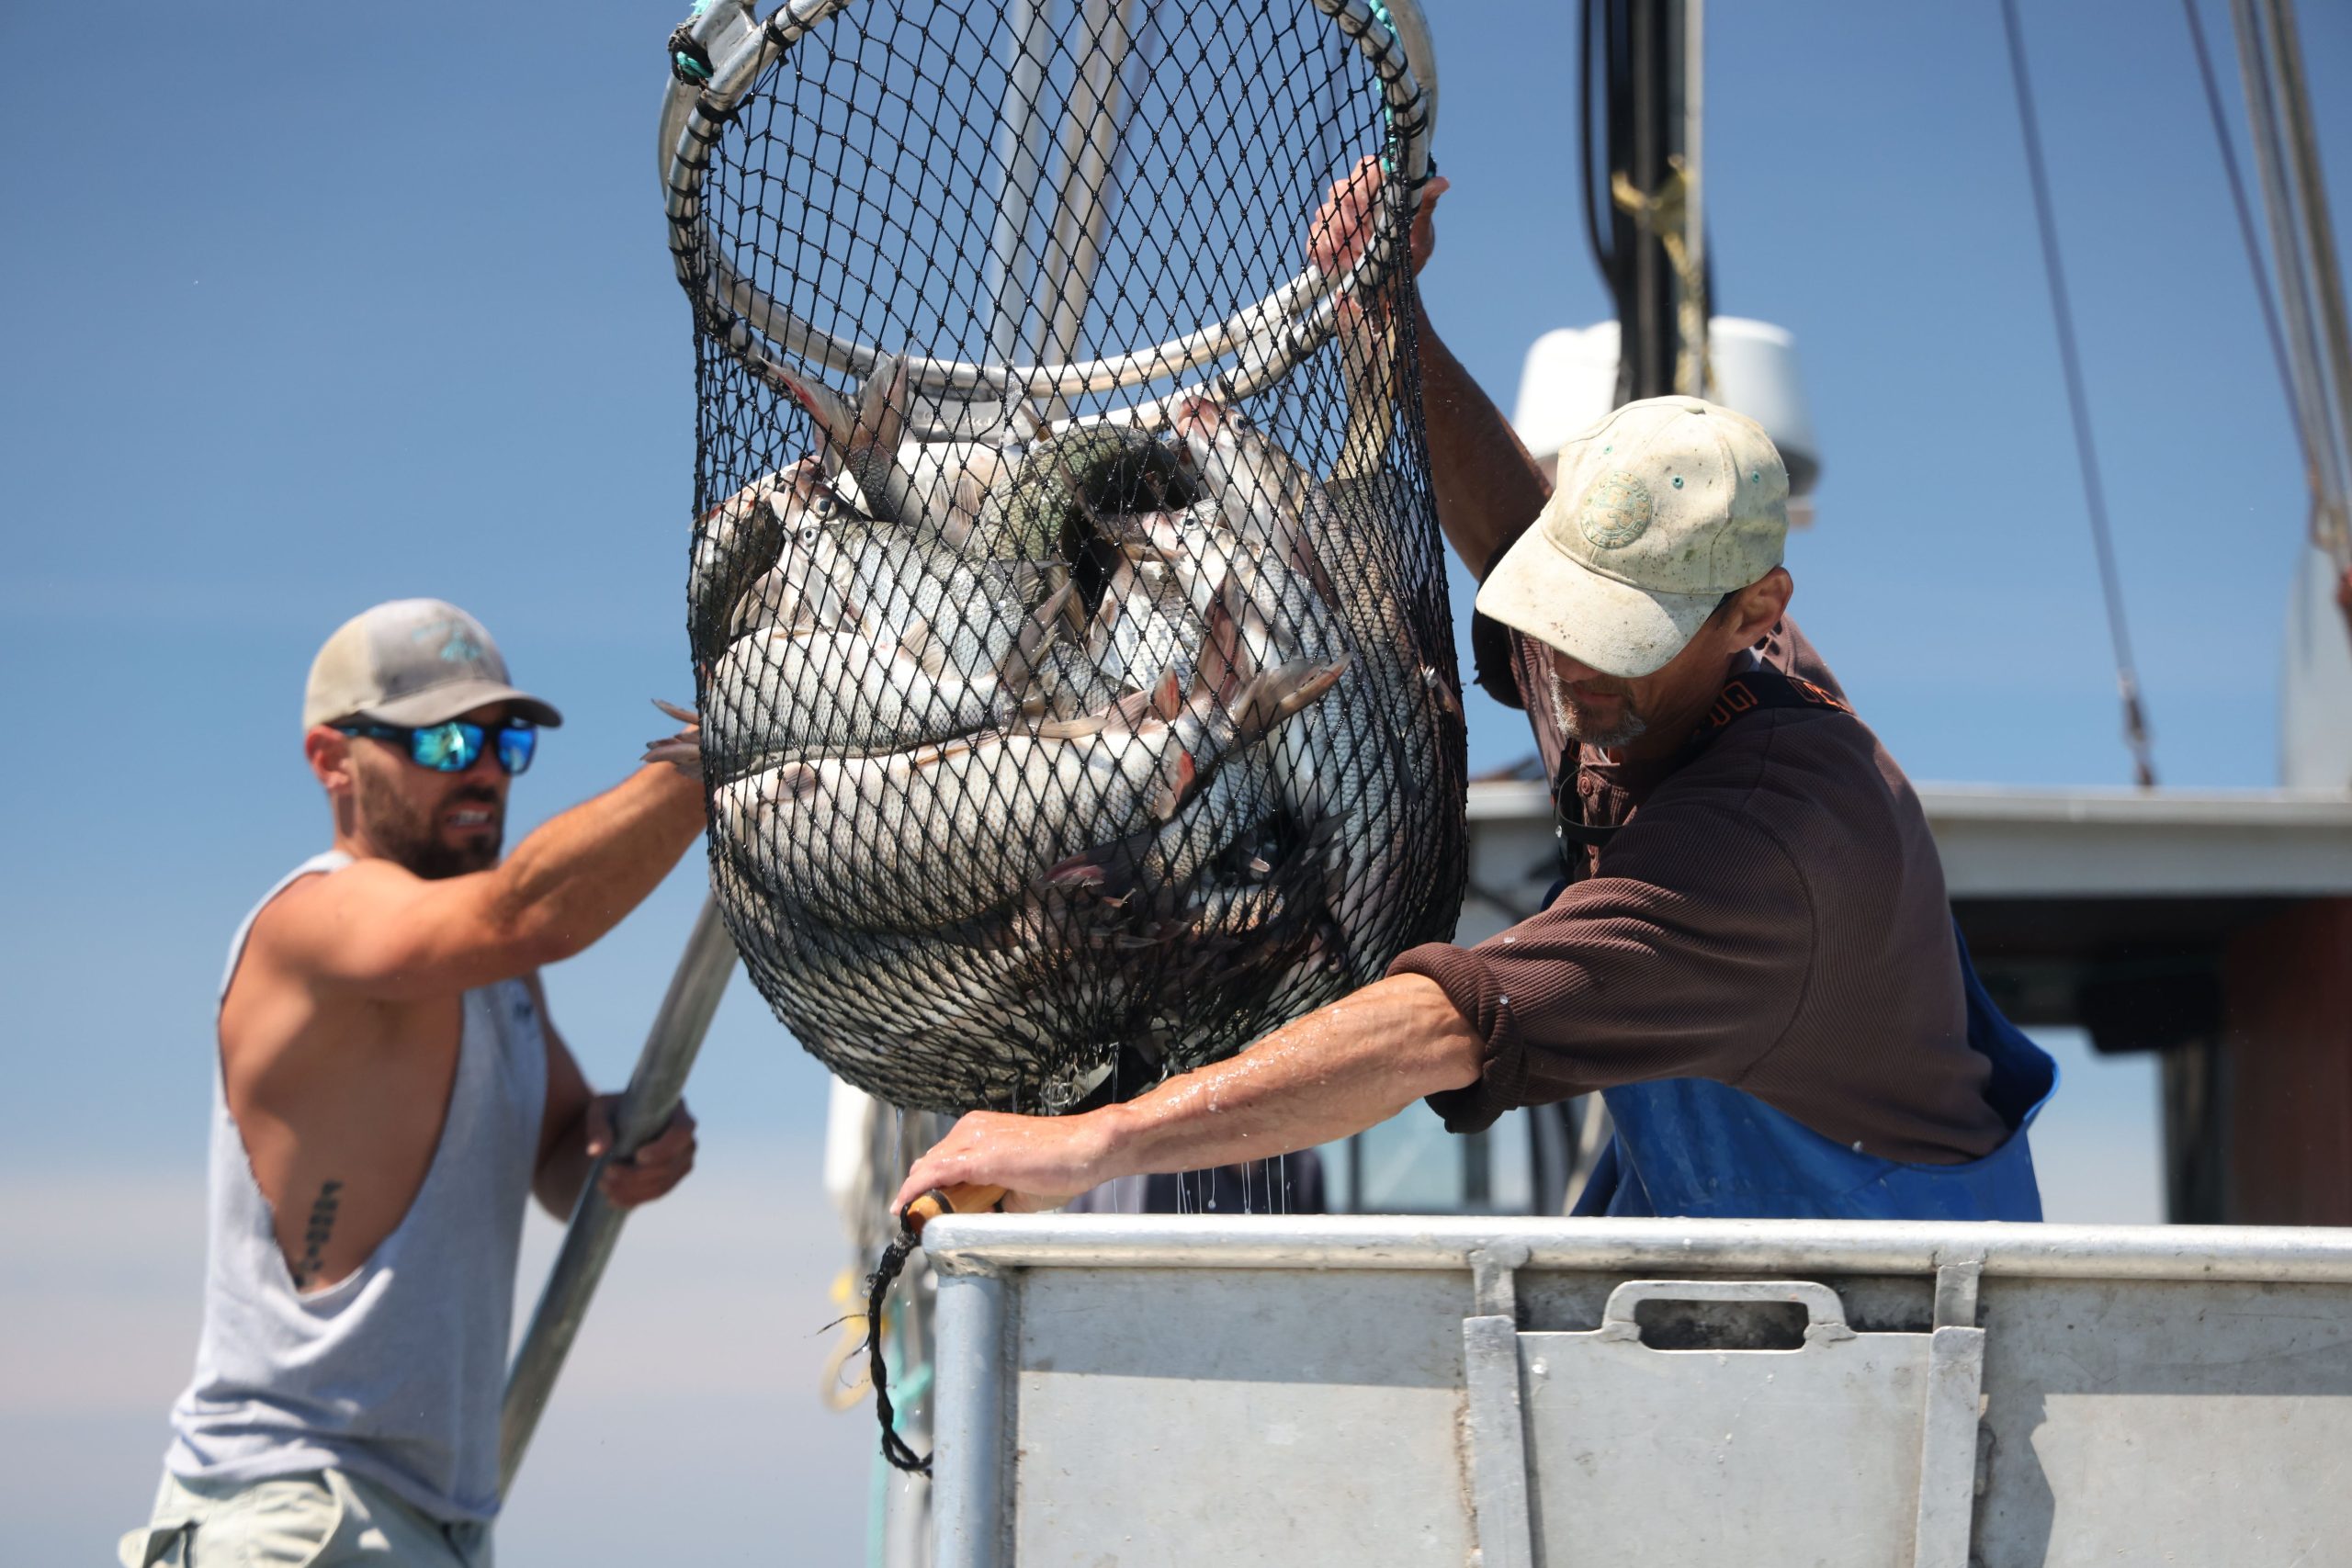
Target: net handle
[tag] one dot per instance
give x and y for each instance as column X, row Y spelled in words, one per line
column 1267, row 338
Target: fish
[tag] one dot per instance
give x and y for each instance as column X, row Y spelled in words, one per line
column 865, row 438
column 780, row 692
column 1051, row 503
column 1265, row 494
column 1350, row 773
column 837, row 565
column 735, row 544
column 924, row 838
column 1031, row 756
column 934, row 1019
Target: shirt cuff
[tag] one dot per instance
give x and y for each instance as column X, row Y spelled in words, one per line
column 1472, row 988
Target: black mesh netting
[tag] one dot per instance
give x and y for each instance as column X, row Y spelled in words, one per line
column 1062, row 731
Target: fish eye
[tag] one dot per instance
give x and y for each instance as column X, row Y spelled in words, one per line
column 809, row 531
column 824, row 504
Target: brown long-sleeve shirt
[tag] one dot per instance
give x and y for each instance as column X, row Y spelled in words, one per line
column 1770, row 915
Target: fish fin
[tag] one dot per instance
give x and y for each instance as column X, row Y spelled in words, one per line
column 1320, row 679
column 1099, row 632
column 881, row 416
column 1078, row 870
column 1038, row 630
column 833, row 418
column 1162, row 700
column 1169, row 801
column 931, row 756
column 963, row 515
column 1224, row 657
column 1277, row 693
column 682, row 714
column 793, row 780
column 683, row 752
column 1448, row 701
column 920, row 645
column 1071, row 728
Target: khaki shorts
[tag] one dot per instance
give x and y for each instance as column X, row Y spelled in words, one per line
column 323, row 1519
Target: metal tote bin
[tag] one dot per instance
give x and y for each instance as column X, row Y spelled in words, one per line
column 1143, row 1392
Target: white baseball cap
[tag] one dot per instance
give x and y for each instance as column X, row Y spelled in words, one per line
column 412, row 662
column 1661, row 509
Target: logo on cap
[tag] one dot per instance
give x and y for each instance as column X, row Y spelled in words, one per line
column 1616, row 511
column 452, row 640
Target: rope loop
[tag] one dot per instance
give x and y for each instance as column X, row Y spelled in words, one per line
column 689, row 61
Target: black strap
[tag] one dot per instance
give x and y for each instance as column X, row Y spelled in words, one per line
column 1751, row 691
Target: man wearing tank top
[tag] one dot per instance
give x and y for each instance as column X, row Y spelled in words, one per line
column 1749, row 955
column 389, row 1094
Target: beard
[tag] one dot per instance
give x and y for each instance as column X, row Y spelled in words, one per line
column 1584, row 727
column 409, row 836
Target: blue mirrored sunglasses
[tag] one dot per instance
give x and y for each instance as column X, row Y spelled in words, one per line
column 454, row 747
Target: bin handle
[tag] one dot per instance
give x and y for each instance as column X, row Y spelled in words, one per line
column 1825, row 1315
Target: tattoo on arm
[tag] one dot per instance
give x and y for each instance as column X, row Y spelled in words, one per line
column 314, row 1239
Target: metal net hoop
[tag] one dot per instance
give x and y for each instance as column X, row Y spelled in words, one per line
column 1264, row 338
column 1075, row 681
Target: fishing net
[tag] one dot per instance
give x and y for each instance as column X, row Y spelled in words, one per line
column 1072, row 658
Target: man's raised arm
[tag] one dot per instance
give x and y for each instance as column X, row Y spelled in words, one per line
column 1487, row 488
column 378, row 929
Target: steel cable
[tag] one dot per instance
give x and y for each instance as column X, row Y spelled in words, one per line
column 2127, row 680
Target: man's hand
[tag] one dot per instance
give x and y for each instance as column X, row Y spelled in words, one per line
column 659, row 1164
column 1041, row 1161
column 1343, row 227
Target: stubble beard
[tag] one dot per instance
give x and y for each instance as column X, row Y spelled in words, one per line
column 1583, row 729
column 409, row 837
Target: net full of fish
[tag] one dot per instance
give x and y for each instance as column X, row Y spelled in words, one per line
column 1066, row 755
column 1069, row 755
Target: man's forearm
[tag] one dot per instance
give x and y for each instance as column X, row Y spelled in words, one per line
column 1333, row 1073
column 575, row 876
column 1487, row 488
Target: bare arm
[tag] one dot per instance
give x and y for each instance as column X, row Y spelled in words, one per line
column 1487, row 488
column 1334, row 1072
column 377, row 930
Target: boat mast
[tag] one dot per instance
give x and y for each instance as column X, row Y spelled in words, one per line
column 1646, row 62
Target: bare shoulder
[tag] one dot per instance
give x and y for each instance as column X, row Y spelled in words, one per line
column 276, row 1003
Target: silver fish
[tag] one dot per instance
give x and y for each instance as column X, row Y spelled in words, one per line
column 931, row 1020
column 921, row 839
column 735, row 543
column 778, row 693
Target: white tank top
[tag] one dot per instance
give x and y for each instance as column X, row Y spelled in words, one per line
column 394, row 1373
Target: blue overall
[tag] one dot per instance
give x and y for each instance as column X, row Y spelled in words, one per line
column 1692, row 1147
column 1695, row 1149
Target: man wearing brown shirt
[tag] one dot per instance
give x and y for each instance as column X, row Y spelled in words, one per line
column 1752, row 955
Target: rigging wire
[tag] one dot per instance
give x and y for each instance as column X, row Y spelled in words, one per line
column 2252, row 243
column 2127, row 680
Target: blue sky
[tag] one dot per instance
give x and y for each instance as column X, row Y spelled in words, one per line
column 303, row 311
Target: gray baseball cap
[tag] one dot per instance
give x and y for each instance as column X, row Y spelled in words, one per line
column 412, row 662
column 1661, row 509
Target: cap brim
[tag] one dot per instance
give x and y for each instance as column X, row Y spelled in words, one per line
column 457, row 698
column 1617, row 629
